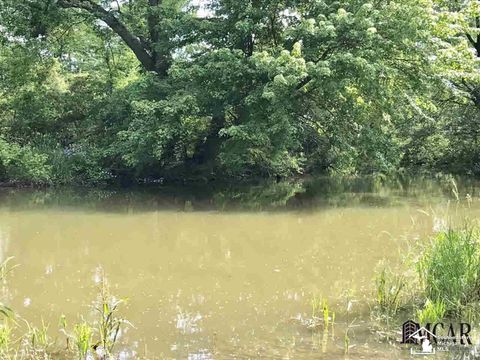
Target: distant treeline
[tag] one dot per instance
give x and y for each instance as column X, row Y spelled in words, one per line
column 97, row 91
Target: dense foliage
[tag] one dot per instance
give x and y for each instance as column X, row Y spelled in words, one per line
column 95, row 91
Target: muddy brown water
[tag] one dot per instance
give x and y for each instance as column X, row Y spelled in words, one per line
column 227, row 273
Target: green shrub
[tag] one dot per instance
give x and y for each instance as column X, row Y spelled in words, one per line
column 78, row 165
column 22, row 164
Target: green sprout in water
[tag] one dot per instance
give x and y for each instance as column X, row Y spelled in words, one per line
column 5, row 339
column 321, row 310
column 389, row 287
column 432, row 312
column 109, row 325
column 83, row 334
column 38, row 337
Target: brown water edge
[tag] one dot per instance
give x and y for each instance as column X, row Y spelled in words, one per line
column 214, row 284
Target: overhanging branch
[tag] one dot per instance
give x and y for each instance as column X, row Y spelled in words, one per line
column 132, row 41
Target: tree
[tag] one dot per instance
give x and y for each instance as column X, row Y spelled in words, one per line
column 147, row 88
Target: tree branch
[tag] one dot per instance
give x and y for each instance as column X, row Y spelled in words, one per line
column 322, row 57
column 132, row 41
column 470, row 38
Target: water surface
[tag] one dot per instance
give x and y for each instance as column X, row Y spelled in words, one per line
column 221, row 273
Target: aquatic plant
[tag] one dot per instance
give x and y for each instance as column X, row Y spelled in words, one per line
column 91, row 340
column 346, row 342
column 446, row 282
column 38, row 340
column 316, row 305
column 388, row 291
column 83, row 339
column 322, row 319
column 449, row 269
column 96, row 338
column 5, row 339
column 432, row 312
column 6, row 268
column 108, row 323
column 346, row 337
column 326, row 313
column 321, row 311
column 455, row 191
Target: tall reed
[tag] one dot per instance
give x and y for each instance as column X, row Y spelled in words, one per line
column 449, row 268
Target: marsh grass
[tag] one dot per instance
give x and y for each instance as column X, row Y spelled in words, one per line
column 449, row 270
column 109, row 324
column 432, row 312
column 321, row 313
column 95, row 339
column 389, row 287
column 5, row 339
column 39, row 335
column 350, row 322
column 445, row 283
column 83, row 334
column 346, row 342
column 392, row 299
column 36, row 340
column 455, row 191
column 6, row 267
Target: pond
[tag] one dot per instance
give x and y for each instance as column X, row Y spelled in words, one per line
column 222, row 272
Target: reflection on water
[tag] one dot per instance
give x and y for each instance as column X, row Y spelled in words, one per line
column 286, row 195
column 4, row 242
column 222, row 272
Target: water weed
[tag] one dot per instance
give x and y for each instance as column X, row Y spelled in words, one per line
column 432, row 312
column 316, row 303
column 449, row 269
column 326, row 313
column 389, row 287
column 446, row 282
column 83, row 334
column 346, row 342
column 91, row 340
column 5, row 339
column 321, row 312
column 38, row 339
column 5, row 268
column 109, row 324
column 455, row 191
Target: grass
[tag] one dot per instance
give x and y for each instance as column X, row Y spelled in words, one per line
column 83, row 334
column 94, row 339
column 432, row 312
column 5, row 269
column 5, row 340
column 109, row 324
column 389, row 288
column 445, row 283
column 37, row 339
column 449, row 270
column 321, row 311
